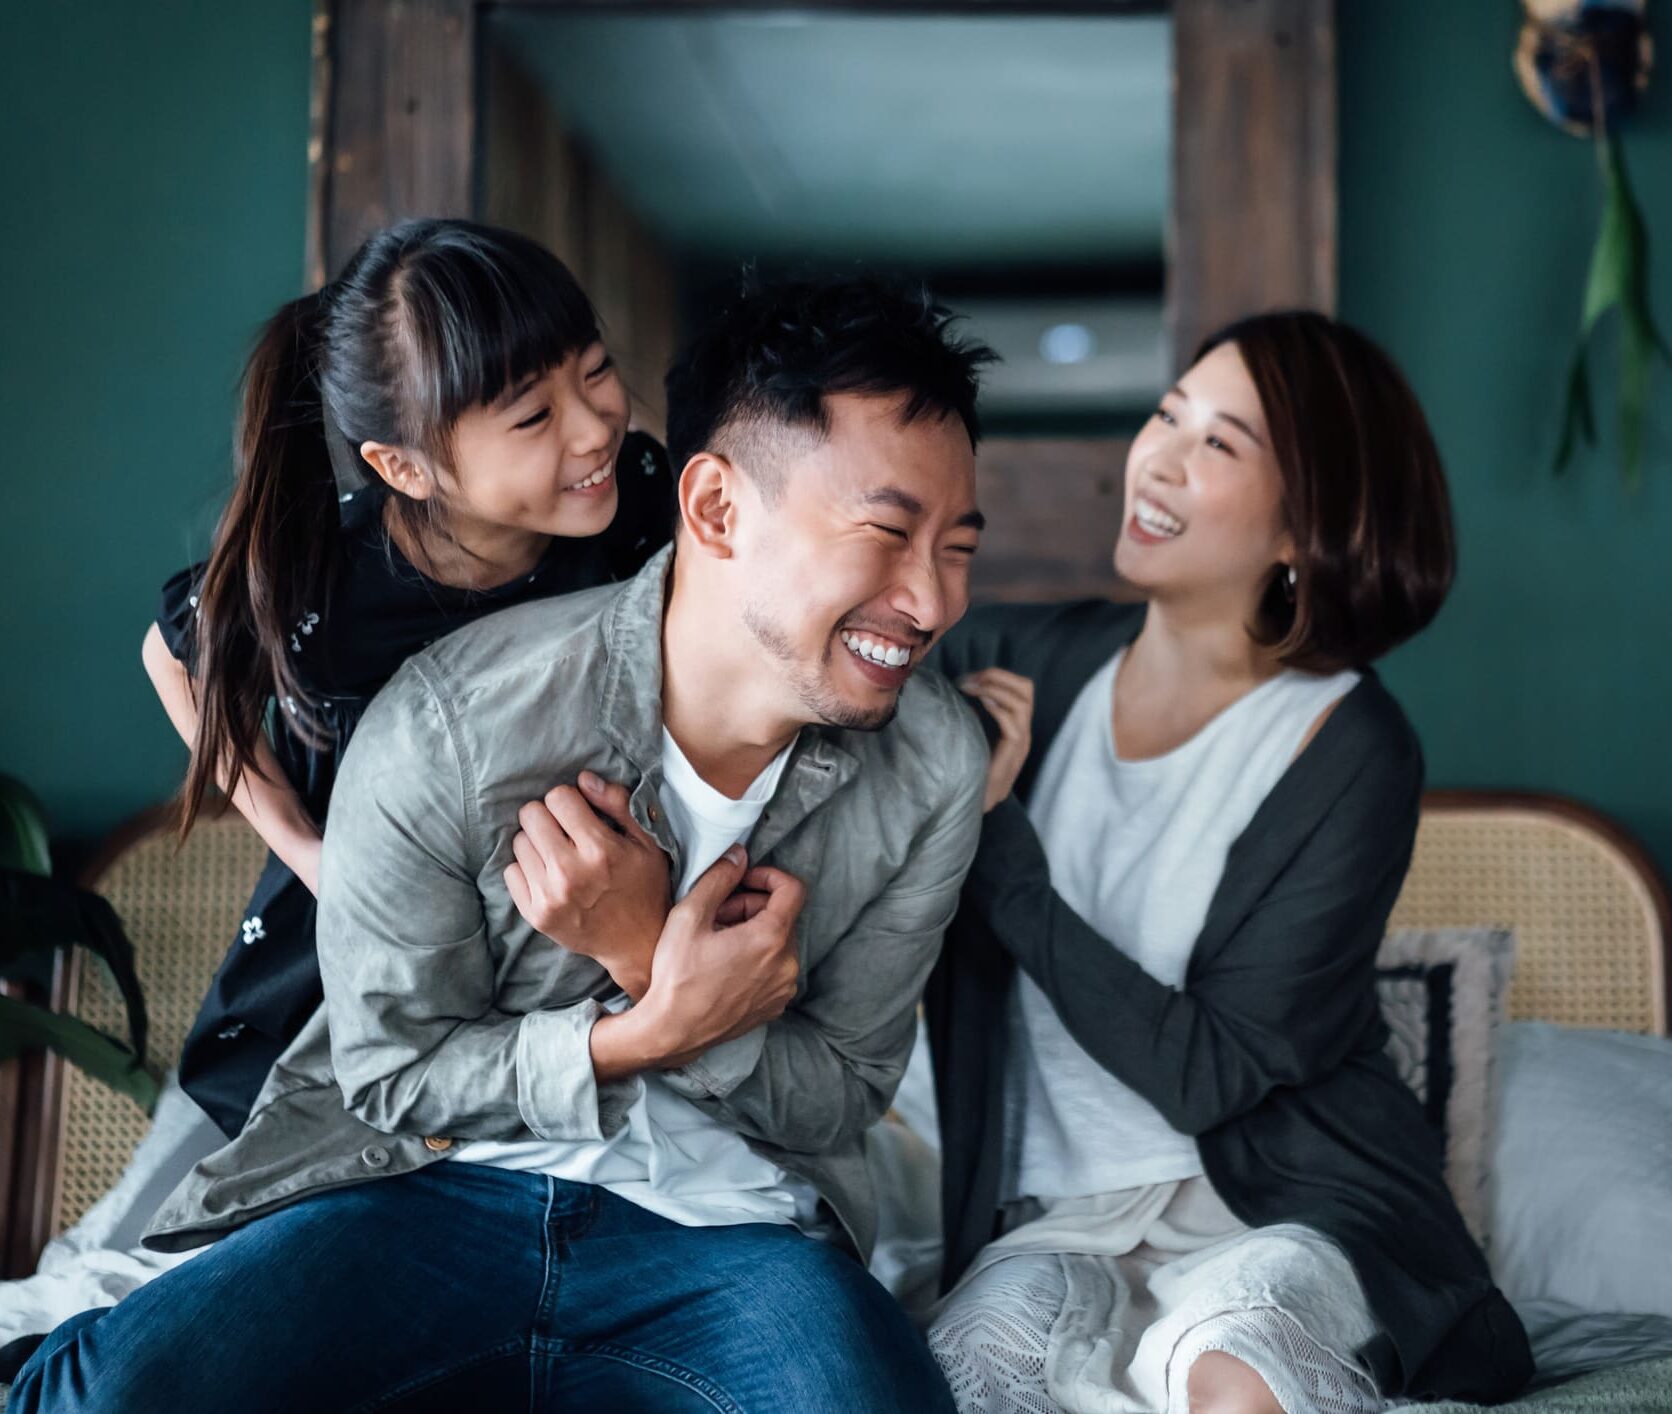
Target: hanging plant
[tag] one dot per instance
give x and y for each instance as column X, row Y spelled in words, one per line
column 1583, row 64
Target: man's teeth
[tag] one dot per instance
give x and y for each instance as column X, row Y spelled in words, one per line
column 1157, row 521
column 873, row 651
column 596, row 479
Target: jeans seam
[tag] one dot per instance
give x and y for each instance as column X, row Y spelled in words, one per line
column 548, row 1285
column 593, row 1209
column 660, row 1365
column 429, row 1377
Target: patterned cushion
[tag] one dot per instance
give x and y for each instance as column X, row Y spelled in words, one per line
column 1443, row 994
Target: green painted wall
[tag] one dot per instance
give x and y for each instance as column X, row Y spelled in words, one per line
column 155, row 167
column 1466, row 227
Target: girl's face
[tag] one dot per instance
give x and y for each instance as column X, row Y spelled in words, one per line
column 542, row 458
column 1204, row 497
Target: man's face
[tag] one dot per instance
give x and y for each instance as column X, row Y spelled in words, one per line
column 858, row 559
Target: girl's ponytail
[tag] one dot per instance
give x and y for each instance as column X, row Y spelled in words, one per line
column 272, row 557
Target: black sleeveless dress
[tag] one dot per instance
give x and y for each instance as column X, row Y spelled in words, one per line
column 380, row 610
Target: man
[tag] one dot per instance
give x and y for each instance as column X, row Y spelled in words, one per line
column 481, row 1177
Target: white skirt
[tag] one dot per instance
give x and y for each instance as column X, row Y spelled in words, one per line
column 1101, row 1305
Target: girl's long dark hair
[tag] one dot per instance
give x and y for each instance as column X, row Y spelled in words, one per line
column 429, row 319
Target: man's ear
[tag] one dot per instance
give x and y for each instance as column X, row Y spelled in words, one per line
column 708, row 494
column 403, row 470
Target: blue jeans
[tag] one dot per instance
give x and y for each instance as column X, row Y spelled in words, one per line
column 461, row 1287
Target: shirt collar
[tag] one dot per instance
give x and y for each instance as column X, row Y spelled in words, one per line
column 630, row 707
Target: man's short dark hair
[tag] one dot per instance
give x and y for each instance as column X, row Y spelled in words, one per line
column 768, row 360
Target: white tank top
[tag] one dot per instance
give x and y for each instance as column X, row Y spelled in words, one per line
column 1136, row 848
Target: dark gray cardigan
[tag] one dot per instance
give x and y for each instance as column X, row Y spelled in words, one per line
column 1271, row 1054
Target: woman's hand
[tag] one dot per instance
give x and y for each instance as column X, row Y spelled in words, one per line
column 591, row 879
column 1008, row 697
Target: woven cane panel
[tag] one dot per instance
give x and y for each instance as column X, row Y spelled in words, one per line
column 1588, row 939
column 181, row 906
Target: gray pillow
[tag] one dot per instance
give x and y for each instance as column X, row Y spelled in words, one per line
column 1581, row 1169
column 1443, row 995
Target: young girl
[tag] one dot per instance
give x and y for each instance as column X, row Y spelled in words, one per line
column 435, row 435
column 1180, row 1171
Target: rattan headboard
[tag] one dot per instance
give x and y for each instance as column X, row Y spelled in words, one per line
column 180, row 904
column 1588, row 909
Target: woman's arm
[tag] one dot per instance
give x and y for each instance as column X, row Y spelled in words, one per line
column 1283, row 1000
column 267, row 801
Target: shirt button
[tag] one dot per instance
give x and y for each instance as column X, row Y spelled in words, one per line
column 437, row 1144
column 654, row 817
column 375, row 1156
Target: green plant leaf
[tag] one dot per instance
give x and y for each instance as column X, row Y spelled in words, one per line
column 1577, row 419
column 39, row 914
column 27, row 1028
column 1618, row 280
column 23, row 833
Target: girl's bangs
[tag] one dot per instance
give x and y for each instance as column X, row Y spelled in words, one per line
column 498, row 313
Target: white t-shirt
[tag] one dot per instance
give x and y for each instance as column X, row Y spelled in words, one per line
column 669, row 1156
column 1136, row 848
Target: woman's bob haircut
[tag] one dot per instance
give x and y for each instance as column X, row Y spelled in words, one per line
column 1364, row 493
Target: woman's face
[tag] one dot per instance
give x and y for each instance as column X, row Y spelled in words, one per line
column 543, row 457
column 1203, row 514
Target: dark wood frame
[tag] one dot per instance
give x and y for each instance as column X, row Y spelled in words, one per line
column 397, row 129
column 1253, row 226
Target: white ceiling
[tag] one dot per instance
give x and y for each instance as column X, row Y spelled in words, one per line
column 930, row 140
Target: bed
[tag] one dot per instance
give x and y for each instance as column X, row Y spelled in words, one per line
column 1577, row 903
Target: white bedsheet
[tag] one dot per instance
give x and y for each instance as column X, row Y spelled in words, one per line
column 99, row 1260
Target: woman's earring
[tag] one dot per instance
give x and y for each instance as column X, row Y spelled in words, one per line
column 1289, row 578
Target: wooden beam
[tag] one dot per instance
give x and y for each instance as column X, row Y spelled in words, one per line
column 1254, row 192
column 531, row 178
column 535, row 179
column 1253, row 214
column 1053, row 510
column 31, row 1106
column 397, row 123
column 320, row 92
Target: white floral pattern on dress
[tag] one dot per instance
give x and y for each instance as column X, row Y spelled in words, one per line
column 304, row 626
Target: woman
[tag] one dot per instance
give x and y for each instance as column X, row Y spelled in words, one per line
column 437, row 434
column 1179, row 1170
